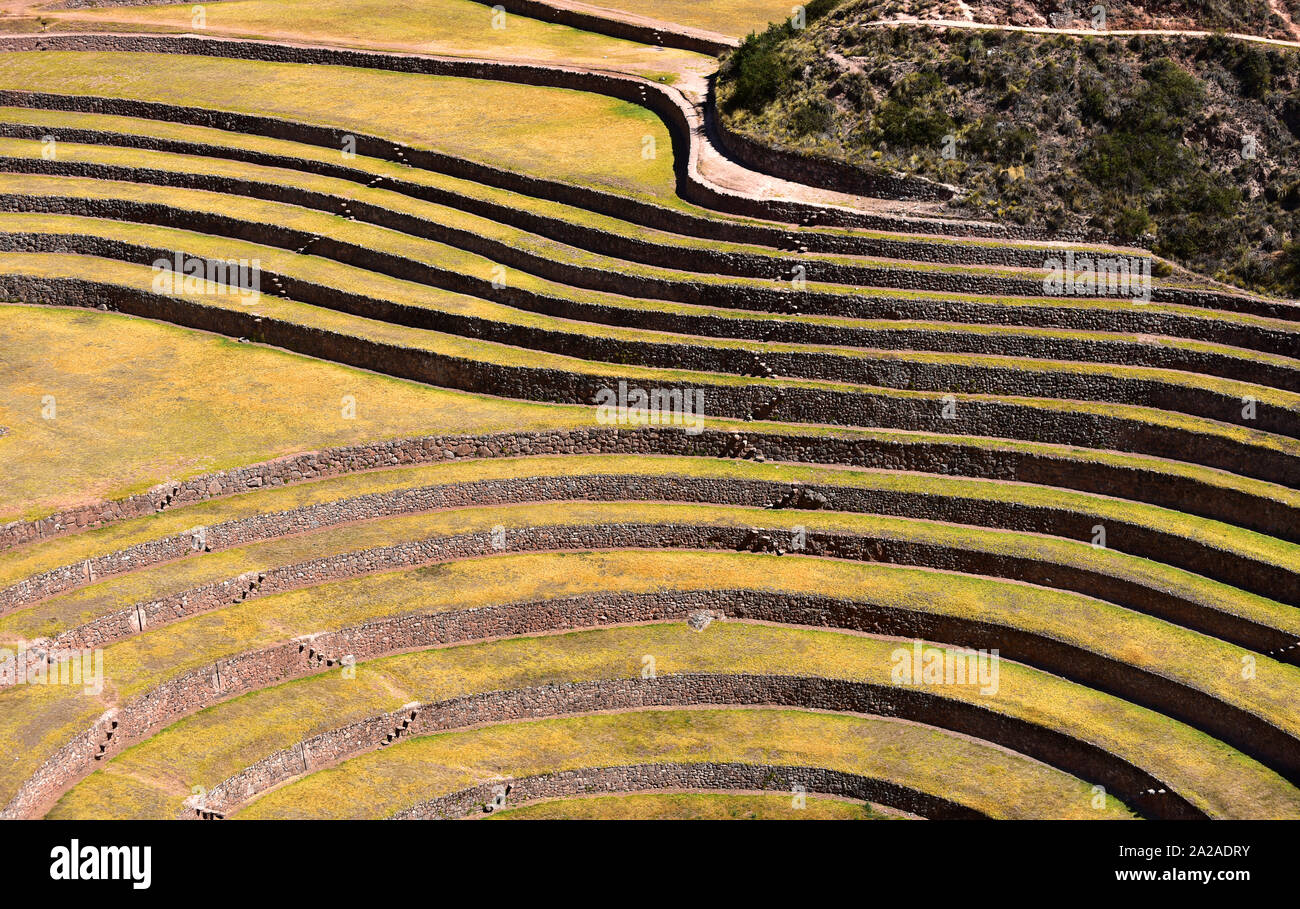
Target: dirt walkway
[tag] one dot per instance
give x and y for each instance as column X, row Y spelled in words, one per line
column 1077, row 32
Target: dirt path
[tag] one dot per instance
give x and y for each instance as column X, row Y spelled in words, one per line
column 1284, row 14
column 1079, row 32
column 709, row 164
column 618, row 15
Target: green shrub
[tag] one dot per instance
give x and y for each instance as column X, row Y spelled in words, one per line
column 1255, row 74
column 757, row 73
column 913, row 115
column 1289, row 269
column 812, row 116
column 1132, row 223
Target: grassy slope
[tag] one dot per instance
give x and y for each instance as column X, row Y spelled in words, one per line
column 379, row 783
column 542, row 131
column 455, row 27
column 1255, row 17
column 210, row 746
column 137, row 402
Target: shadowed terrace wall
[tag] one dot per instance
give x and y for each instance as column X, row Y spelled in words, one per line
column 748, row 401
column 902, row 453
column 701, row 776
column 162, row 705
column 1078, row 758
column 1149, row 542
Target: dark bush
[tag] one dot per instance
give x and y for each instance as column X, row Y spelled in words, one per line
column 913, row 116
column 811, row 117
column 757, row 74
column 1289, row 269
column 1255, row 74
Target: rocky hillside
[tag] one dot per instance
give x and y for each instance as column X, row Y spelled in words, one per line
column 1188, row 145
column 1268, row 18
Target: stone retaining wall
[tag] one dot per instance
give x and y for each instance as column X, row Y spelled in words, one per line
column 1150, row 542
column 901, row 453
column 759, row 400
column 1079, row 758
column 701, row 776
column 147, row 713
column 818, row 170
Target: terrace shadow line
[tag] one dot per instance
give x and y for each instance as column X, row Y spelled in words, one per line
column 1133, row 786
column 153, row 710
column 1022, row 419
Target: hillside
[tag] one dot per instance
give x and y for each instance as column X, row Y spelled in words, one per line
column 1188, row 145
column 1267, row 18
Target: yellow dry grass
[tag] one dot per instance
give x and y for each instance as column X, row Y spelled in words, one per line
column 987, row 779
column 446, row 27
column 695, row 806
column 543, row 131
column 212, row 745
column 136, row 402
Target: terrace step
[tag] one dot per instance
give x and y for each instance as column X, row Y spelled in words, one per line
column 435, row 265
column 1120, row 427
column 714, row 729
column 1085, row 665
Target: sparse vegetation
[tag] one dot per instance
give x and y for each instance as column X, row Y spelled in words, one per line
column 1190, row 146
